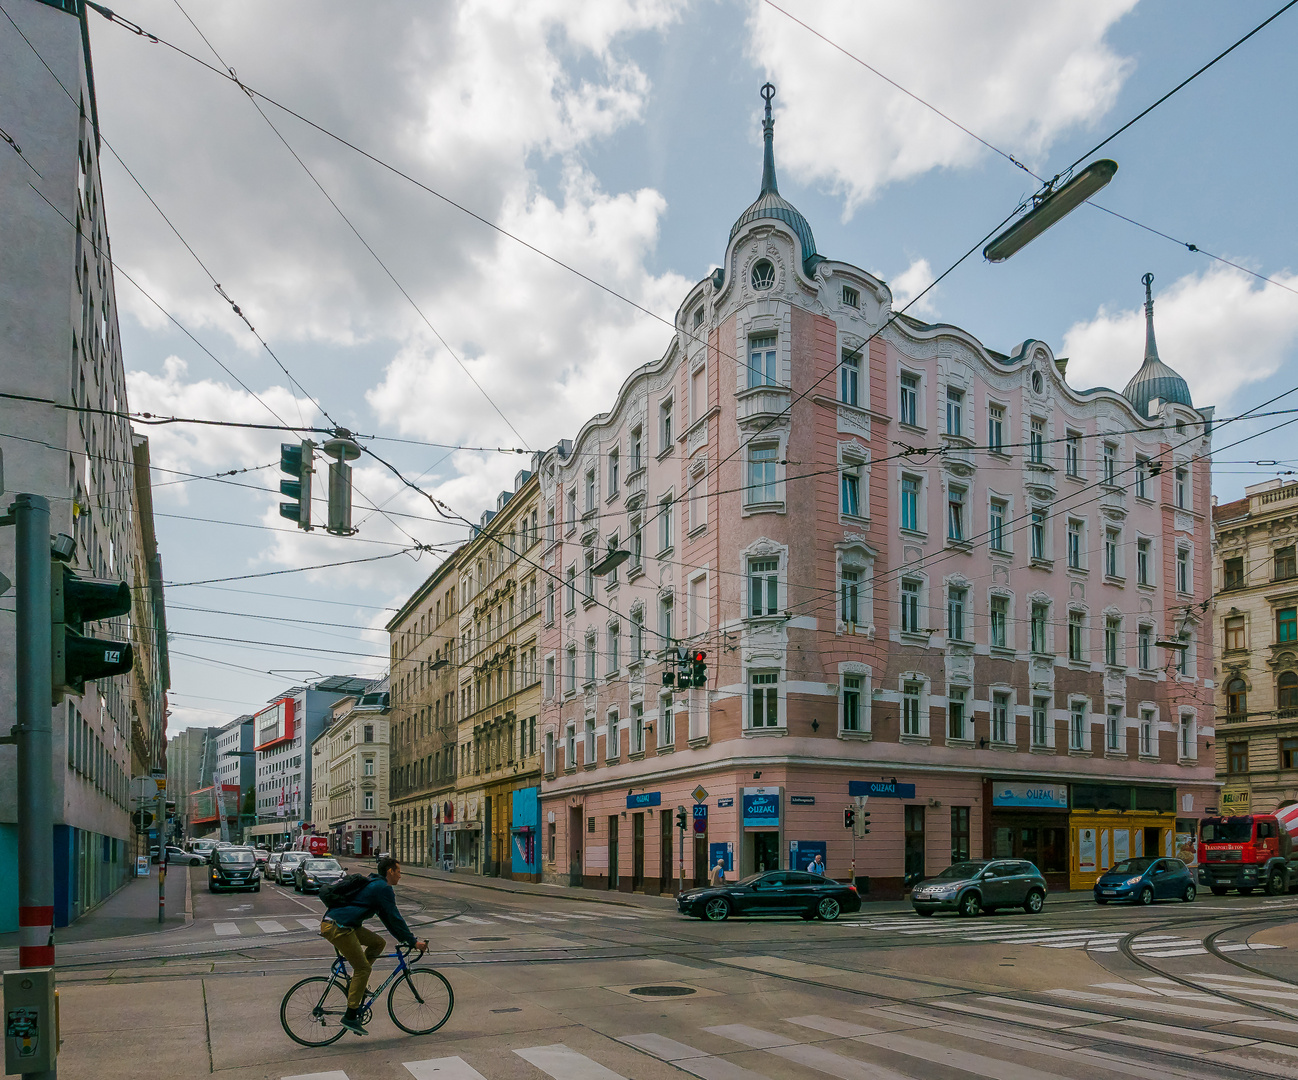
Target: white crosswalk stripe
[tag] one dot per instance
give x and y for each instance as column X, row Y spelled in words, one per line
column 452, row 1068
column 565, row 1064
column 270, row 926
column 226, row 929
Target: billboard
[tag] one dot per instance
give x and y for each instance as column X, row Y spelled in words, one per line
column 202, row 804
column 274, row 725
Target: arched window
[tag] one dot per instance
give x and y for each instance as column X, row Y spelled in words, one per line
column 1236, row 697
column 1287, row 691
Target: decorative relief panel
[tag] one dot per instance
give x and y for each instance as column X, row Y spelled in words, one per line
column 1183, row 523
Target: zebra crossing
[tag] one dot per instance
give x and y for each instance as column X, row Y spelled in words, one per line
column 1091, row 939
column 252, row 927
column 980, row 1035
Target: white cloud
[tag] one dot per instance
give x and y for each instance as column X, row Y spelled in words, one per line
column 1221, row 330
column 909, row 284
column 1017, row 72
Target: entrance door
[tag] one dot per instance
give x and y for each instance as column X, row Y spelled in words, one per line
column 574, row 845
column 700, row 859
column 766, row 851
column 488, row 836
column 1153, row 841
column 612, row 851
column 637, row 851
column 665, row 850
column 914, row 844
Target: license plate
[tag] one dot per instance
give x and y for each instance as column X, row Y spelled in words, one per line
column 1108, row 892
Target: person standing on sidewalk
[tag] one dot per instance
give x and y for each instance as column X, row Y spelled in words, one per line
column 718, row 875
column 342, row 928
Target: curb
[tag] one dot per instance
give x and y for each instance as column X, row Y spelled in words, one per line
column 566, row 892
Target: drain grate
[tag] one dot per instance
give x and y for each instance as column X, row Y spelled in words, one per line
column 488, row 939
column 662, row 991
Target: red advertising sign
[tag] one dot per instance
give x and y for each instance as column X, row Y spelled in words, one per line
column 274, row 725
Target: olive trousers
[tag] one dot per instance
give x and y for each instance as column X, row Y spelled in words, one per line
column 360, row 948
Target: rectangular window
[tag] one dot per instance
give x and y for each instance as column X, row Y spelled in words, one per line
column 637, row 728
column 1111, row 549
column 998, row 621
column 1233, row 573
column 1143, row 549
column 588, row 573
column 611, row 577
column 851, row 703
column 996, row 429
column 910, row 503
column 613, row 462
column 1286, row 624
column 1185, row 738
column 1076, row 635
column 571, row 584
column 666, row 533
column 851, row 489
column 996, row 524
column 1234, row 634
column 1142, row 477
column 955, row 714
column 1109, row 462
column 908, row 401
column 849, row 380
column 955, row 529
column 849, row 594
column 1000, row 717
column 1289, row 753
column 761, row 360
column 1112, row 633
column 590, row 490
column 1286, row 564
column 761, row 474
column 763, row 587
column 637, row 452
column 590, row 659
column 910, row 607
column 1237, row 758
column 1075, row 545
column 1073, row 453
column 1077, row 726
column 589, row 740
column 1113, row 729
column 955, row 609
column 1182, row 570
column 698, row 393
column 1181, row 488
column 572, row 670
column 765, row 699
column 1037, row 441
column 666, row 619
column 698, row 502
column 1038, row 530
column 1040, row 721
column 1039, row 614
column 1146, row 732
column 614, row 645
column 549, row 676
column 637, row 635
column 665, row 433
column 954, row 409
column 636, row 543
column 570, row 748
column 851, row 296
column 910, row 708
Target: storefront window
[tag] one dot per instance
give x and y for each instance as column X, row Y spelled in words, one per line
column 959, row 833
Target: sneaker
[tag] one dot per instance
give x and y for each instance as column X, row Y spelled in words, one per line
column 352, row 1022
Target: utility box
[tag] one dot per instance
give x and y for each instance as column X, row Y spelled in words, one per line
column 30, row 1021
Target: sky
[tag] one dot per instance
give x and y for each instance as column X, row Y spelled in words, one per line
column 622, row 138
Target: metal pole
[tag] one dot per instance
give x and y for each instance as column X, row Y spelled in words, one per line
column 853, row 878
column 162, row 855
column 682, row 859
column 34, row 736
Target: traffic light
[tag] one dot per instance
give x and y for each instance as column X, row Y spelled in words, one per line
column 863, row 822
column 342, row 448
column 669, row 677
column 74, row 657
column 849, row 817
column 298, row 461
column 681, row 819
column 698, row 669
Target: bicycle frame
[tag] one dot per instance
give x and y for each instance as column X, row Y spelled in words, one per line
column 339, row 976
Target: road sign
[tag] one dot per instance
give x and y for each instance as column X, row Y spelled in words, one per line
column 701, row 817
column 700, row 793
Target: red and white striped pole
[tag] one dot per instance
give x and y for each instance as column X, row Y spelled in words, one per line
column 35, row 936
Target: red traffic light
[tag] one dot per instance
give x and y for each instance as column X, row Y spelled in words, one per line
column 699, row 657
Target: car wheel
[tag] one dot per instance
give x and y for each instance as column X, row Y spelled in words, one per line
column 1145, row 897
column 717, row 909
column 1275, row 883
column 1034, row 902
column 827, row 910
column 1189, row 894
column 921, row 911
column 969, row 905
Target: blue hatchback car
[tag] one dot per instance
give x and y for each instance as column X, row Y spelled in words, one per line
column 1145, row 880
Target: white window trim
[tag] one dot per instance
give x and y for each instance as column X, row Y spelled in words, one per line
column 999, row 592
column 1087, row 723
column 765, row 665
column 1008, row 531
column 921, row 406
column 1193, row 716
column 1011, row 716
column 924, row 704
column 862, row 672
column 854, row 457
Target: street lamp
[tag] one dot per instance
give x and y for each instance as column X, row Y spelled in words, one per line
column 1050, row 206
column 610, row 562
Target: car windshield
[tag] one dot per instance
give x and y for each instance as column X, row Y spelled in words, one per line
column 961, row 870
column 321, row 864
column 1132, row 866
column 292, row 856
column 1231, row 830
column 240, row 857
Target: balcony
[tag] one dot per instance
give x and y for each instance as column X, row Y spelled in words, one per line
column 635, row 488
column 762, row 403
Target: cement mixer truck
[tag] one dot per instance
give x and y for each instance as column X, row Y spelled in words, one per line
column 1250, row 851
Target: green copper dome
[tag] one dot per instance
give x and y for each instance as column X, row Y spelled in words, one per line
column 1155, row 380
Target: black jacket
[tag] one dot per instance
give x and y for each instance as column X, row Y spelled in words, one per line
column 377, row 898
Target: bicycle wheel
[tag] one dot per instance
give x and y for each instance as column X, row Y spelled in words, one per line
column 312, row 1011
column 420, row 1001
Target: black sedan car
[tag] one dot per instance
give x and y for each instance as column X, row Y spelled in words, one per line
column 311, row 873
column 775, row 892
column 234, row 868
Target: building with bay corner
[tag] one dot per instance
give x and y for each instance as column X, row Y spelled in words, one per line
column 920, row 569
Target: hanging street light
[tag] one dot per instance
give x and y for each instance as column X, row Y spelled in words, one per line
column 1049, row 207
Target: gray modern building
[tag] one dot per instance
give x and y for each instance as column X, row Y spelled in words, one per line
column 236, row 767
column 191, row 764
column 65, row 436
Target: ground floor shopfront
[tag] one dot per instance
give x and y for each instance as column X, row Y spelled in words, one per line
column 493, row 830
column 919, row 822
column 363, row 837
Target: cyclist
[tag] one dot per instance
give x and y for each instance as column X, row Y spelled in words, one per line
column 342, row 928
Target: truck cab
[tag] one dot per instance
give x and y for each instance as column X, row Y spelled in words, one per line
column 1247, row 852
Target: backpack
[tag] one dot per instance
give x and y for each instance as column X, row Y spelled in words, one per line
column 343, row 891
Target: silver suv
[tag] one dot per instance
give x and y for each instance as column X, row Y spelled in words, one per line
column 982, row 885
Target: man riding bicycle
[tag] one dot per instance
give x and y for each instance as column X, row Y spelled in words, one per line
column 342, row 928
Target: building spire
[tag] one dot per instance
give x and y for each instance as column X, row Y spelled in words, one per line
column 1151, row 346
column 769, row 186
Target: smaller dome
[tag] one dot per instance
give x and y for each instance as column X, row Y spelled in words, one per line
column 1154, row 380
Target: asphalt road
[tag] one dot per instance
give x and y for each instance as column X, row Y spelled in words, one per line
column 555, row 985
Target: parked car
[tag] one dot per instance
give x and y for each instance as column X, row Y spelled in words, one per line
column 220, row 845
column 288, row 862
column 262, row 855
column 311, row 873
column 272, row 866
column 183, row 857
column 202, row 848
column 976, row 885
column 1143, row 881
column 774, row 892
column 234, row 868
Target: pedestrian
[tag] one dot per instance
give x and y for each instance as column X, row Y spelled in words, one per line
column 817, row 865
column 718, row 875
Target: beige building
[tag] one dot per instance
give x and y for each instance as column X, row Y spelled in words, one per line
column 356, row 759
column 1256, row 579
column 497, row 798
column 423, row 757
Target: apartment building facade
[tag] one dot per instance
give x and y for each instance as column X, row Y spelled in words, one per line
column 356, row 812
column 922, row 571
column 1256, row 612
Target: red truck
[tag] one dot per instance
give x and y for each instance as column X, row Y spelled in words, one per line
column 1249, row 851
column 317, row 845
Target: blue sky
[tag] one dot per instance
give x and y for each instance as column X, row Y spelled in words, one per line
column 624, row 138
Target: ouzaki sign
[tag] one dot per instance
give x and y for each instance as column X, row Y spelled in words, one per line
column 1053, row 796
column 761, row 807
column 274, row 725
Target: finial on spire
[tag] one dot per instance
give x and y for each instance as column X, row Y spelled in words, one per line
column 1151, row 347
column 769, row 186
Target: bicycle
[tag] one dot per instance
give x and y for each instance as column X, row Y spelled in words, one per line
column 420, row 1001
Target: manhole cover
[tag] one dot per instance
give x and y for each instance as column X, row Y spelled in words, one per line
column 662, row 991
column 488, row 939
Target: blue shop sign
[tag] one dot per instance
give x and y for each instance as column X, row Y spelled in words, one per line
column 881, row 790
column 761, row 807
column 1054, row 796
column 645, row 798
